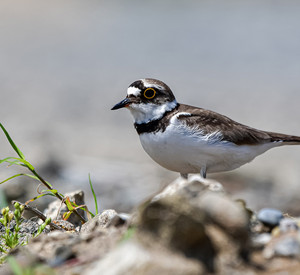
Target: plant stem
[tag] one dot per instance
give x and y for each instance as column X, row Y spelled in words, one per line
column 56, row 194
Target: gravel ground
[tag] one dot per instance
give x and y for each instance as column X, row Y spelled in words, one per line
column 64, row 64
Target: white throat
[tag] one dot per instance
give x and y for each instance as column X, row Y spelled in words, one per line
column 143, row 113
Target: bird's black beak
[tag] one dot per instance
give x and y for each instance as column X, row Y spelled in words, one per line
column 124, row 103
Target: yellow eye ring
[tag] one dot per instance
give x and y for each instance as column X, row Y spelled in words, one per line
column 149, row 93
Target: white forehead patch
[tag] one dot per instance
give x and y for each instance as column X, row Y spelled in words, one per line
column 151, row 85
column 133, row 91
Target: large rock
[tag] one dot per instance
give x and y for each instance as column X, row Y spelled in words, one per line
column 199, row 220
column 177, row 224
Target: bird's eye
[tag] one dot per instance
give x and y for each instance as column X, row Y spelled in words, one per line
column 149, row 93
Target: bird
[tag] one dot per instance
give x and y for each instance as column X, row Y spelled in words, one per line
column 193, row 140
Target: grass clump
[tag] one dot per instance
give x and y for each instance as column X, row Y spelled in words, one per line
column 11, row 221
column 21, row 161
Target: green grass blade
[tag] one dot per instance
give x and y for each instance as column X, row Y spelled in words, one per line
column 8, row 160
column 14, row 265
column 15, row 161
column 27, row 164
column 69, row 204
column 18, row 161
column 13, row 145
column 18, row 175
column 40, row 196
column 66, row 215
column 12, row 177
column 94, row 195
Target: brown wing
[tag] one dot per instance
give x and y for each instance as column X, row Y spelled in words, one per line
column 232, row 131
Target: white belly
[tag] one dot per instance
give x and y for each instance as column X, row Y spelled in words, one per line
column 182, row 150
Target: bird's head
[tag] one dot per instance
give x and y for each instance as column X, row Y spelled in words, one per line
column 148, row 99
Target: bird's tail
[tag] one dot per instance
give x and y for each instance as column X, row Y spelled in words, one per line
column 285, row 139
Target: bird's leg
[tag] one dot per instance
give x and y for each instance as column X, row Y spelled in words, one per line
column 203, row 172
column 184, row 176
column 203, row 176
column 212, row 185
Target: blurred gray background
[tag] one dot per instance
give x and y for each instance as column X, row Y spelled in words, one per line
column 64, row 64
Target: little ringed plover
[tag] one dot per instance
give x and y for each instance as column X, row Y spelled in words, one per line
column 189, row 139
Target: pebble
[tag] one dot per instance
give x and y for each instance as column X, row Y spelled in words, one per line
column 101, row 220
column 287, row 247
column 269, row 216
column 261, row 240
column 287, row 225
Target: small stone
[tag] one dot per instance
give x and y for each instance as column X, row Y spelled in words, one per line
column 269, row 217
column 65, row 225
column 125, row 216
column 101, row 220
column 118, row 220
column 288, row 225
column 261, row 240
column 288, row 247
column 106, row 217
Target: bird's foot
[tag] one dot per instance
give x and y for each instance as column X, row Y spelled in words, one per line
column 181, row 182
column 211, row 184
